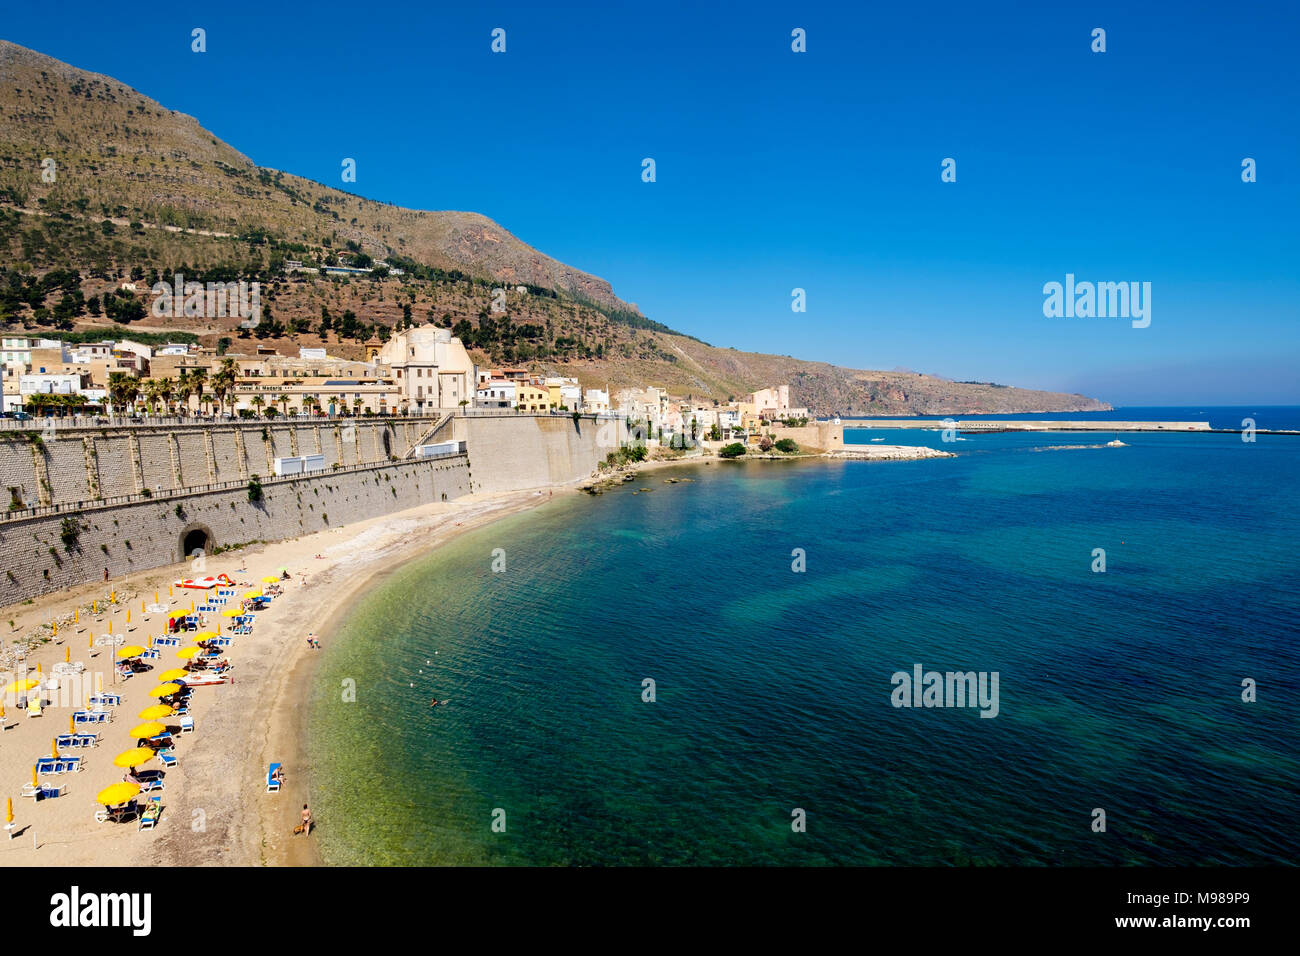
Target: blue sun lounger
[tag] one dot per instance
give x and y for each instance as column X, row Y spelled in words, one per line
column 272, row 785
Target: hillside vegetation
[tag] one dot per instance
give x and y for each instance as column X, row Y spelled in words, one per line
column 100, row 184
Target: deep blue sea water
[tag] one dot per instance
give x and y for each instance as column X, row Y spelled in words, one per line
column 1118, row 690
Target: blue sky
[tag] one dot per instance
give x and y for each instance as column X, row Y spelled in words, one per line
column 820, row 170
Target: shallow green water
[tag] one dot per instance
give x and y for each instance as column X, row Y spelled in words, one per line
column 1118, row 690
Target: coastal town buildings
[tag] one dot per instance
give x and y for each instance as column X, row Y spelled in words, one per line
column 420, row 370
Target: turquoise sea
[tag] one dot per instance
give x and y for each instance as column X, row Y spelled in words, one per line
column 1119, row 690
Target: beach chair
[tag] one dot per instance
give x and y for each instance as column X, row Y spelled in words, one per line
column 68, row 765
column 151, row 655
column 34, row 707
column 43, row 791
column 66, row 740
column 46, row 765
column 118, row 813
column 272, row 785
column 187, row 724
column 151, row 815
column 167, row 757
column 85, row 740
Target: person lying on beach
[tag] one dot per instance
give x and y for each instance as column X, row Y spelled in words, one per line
column 277, row 775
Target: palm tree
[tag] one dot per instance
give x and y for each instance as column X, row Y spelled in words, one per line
column 257, row 402
column 165, row 389
column 283, row 399
column 199, row 378
column 183, row 390
column 223, row 383
column 123, row 389
column 152, row 389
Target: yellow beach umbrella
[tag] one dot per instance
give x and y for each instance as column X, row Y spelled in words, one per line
column 250, row 595
column 206, row 635
column 231, row 612
column 164, row 690
column 9, row 810
column 90, row 642
column 76, row 616
column 72, row 724
column 157, row 712
column 131, row 650
column 175, row 673
column 18, row 686
column 67, row 654
column 187, row 652
column 148, row 729
column 176, row 614
column 270, row 579
column 55, row 628
column 38, row 668
column 54, row 747
column 34, row 783
column 134, row 757
column 116, row 793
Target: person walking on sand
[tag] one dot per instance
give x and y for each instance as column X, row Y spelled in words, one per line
column 306, row 821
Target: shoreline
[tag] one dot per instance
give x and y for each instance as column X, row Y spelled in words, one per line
column 215, row 808
column 288, row 723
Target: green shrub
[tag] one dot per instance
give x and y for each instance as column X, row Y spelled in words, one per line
column 787, row 445
column 254, row 489
column 734, row 450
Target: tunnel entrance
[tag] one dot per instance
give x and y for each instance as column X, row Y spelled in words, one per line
column 195, row 538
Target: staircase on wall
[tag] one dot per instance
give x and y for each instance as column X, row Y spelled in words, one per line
column 431, row 434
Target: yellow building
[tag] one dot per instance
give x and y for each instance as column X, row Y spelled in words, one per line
column 532, row 398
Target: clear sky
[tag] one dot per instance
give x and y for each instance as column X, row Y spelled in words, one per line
column 816, row 170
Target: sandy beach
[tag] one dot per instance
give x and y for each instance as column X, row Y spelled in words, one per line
column 215, row 806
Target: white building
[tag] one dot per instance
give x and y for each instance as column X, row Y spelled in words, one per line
column 430, row 366
column 49, row 385
column 595, row 401
column 18, row 351
column 495, row 393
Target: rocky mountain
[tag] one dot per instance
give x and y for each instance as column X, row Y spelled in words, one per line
column 100, row 184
